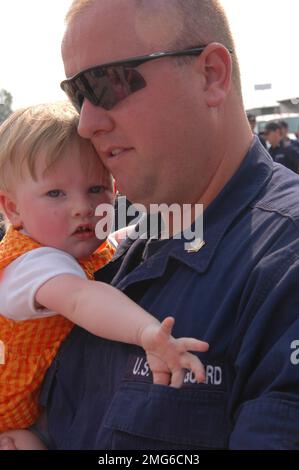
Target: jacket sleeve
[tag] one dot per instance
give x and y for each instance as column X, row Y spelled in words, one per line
column 265, row 351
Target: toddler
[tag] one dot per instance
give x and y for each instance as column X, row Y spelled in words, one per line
column 51, row 181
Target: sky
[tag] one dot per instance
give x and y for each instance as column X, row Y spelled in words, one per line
column 265, row 32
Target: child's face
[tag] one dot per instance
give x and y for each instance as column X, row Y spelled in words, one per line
column 58, row 209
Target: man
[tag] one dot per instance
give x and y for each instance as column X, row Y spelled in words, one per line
column 252, row 122
column 181, row 136
column 285, row 139
column 286, row 154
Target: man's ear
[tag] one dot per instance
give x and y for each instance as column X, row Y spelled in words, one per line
column 216, row 66
column 9, row 207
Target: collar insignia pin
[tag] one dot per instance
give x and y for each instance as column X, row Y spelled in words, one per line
column 196, row 245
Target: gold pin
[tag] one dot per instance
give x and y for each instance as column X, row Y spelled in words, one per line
column 196, row 245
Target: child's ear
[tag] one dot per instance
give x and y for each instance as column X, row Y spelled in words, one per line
column 9, row 207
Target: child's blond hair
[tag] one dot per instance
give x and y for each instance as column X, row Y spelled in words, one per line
column 46, row 127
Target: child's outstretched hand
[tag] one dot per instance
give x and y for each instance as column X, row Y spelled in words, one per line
column 168, row 357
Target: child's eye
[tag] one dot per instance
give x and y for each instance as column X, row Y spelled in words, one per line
column 96, row 189
column 55, row 193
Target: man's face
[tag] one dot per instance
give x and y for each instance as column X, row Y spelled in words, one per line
column 284, row 132
column 156, row 141
column 274, row 137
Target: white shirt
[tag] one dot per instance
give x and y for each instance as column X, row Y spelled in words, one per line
column 22, row 278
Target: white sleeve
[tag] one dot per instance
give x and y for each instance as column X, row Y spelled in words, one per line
column 113, row 241
column 24, row 276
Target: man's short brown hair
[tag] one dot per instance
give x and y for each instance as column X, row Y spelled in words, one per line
column 199, row 22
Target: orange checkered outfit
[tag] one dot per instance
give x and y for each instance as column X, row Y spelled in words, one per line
column 28, row 347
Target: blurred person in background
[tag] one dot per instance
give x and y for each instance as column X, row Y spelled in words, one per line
column 281, row 148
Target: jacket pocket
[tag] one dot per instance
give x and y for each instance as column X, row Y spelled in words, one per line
column 157, row 417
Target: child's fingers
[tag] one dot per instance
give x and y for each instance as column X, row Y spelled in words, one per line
column 177, row 378
column 161, row 378
column 167, row 325
column 191, row 362
column 193, row 344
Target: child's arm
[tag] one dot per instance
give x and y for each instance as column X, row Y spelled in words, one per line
column 105, row 311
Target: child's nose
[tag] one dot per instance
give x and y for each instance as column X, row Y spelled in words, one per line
column 83, row 209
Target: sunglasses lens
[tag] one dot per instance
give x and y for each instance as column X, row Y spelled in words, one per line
column 72, row 93
column 103, row 86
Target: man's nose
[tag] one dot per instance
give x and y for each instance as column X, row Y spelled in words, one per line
column 94, row 119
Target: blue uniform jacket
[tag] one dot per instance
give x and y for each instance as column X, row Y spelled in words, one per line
column 240, row 293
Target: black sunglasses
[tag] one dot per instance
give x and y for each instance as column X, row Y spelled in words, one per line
column 108, row 84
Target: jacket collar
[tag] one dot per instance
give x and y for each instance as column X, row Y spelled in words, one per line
column 243, row 188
